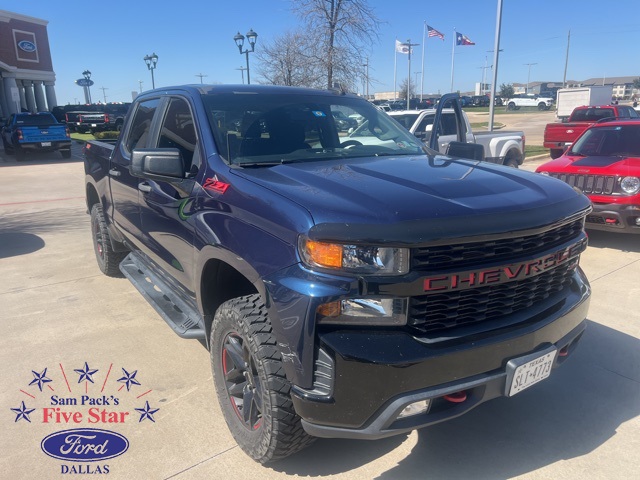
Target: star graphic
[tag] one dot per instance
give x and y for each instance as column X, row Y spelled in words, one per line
column 129, row 379
column 85, row 374
column 23, row 412
column 147, row 412
column 40, row 378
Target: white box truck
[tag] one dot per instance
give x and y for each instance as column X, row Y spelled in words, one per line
column 570, row 98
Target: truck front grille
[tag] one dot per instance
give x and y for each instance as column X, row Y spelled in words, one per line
column 440, row 311
column 464, row 255
column 596, row 184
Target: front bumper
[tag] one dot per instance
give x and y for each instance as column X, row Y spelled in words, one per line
column 613, row 217
column 375, row 375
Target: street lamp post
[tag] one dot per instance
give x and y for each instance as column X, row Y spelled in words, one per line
column 87, row 75
column 151, row 61
column 528, row 75
column 239, row 39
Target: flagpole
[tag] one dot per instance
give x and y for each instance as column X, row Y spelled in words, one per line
column 424, row 45
column 395, row 69
column 453, row 52
column 409, row 77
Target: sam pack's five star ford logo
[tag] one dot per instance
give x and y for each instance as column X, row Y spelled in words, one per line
column 86, row 398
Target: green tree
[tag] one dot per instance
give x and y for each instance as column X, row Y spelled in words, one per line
column 506, row 90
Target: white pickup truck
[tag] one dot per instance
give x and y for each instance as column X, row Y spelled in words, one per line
column 505, row 148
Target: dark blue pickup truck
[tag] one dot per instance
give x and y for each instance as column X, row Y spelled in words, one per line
column 344, row 288
column 39, row 132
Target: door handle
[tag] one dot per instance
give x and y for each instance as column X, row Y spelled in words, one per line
column 114, row 173
column 144, row 187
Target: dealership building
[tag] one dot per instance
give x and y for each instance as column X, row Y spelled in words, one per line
column 27, row 80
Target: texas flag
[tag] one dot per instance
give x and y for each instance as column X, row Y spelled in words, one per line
column 463, row 40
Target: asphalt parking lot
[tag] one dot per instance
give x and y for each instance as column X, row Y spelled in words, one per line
column 61, row 314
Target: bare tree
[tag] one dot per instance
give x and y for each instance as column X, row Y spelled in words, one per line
column 286, row 61
column 340, row 31
column 403, row 90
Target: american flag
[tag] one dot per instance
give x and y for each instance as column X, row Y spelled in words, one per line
column 432, row 32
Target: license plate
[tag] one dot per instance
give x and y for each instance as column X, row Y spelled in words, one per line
column 45, row 144
column 526, row 371
column 93, row 125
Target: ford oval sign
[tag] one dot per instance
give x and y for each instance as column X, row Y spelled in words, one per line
column 27, row 46
column 84, row 445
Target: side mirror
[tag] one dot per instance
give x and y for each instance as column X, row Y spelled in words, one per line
column 157, row 163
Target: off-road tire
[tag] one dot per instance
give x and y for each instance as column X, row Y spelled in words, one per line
column 247, row 368
column 108, row 260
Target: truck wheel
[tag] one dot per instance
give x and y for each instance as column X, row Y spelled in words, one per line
column 555, row 153
column 65, row 153
column 542, row 106
column 511, row 106
column 252, row 389
column 108, row 260
column 20, row 154
column 7, row 149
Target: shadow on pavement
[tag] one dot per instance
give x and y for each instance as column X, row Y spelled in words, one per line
column 626, row 242
column 14, row 244
column 569, row 415
column 42, row 222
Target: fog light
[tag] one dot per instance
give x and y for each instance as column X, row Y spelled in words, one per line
column 415, row 408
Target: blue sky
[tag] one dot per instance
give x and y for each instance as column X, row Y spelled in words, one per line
column 192, row 37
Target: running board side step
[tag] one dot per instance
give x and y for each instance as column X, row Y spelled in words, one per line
column 181, row 317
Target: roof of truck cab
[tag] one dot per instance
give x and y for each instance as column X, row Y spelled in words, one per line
column 249, row 89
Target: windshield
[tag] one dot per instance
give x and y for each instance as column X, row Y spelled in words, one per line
column 38, row 120
column 272, row 128
column 613, row 140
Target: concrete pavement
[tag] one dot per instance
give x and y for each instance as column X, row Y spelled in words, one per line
column 59, row 311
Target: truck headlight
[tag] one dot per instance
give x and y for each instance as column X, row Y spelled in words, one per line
column 364, row 311
column 630, row 185
column 362, row 259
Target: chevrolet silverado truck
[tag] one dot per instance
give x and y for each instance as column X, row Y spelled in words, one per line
column 558, row 136
column 39, row 132
column 343, row 290
column 504, row 148
column 604, row 163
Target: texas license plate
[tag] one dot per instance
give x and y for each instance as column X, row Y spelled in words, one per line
column 526, row 371
column 45, row 144
column 94, row 125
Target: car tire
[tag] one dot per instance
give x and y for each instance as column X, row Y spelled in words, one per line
column 542, row 106
column 65, row 153
column 247, row 370
column 555, row 153
column 511, row 106
column 7, row 149
column 108, row 259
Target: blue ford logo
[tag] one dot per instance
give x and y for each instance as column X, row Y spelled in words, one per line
column 84, row 445
column 27, row 46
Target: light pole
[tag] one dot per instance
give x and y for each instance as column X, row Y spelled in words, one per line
column 239, row 39
column 151, row 61
column 201, row 75
column 87, row 75
column 528, row 75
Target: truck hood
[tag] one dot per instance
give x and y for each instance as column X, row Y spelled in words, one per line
column 602, row 165
column 418, row 199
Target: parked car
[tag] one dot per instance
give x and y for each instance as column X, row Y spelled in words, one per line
column 523, row 100
column 480, row 101
column 604, row 163
column 343, row 290
column 558, row 136
column 105, row 116
column 343, row 122
column 503, row 147
column 41, row 132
